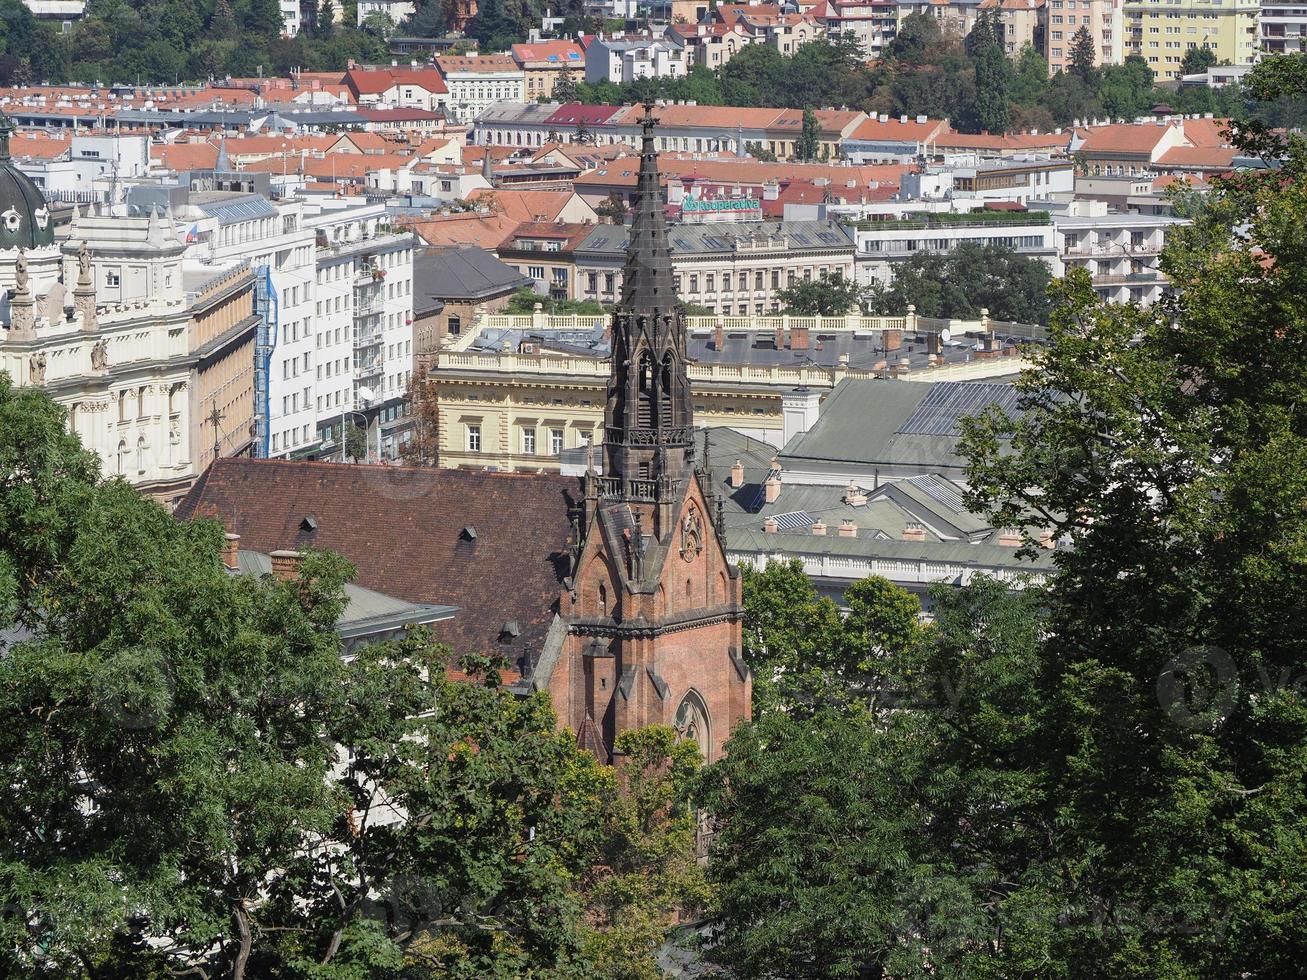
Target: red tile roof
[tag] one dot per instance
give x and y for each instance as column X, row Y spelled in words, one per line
column 415, row 546
column 378, row 80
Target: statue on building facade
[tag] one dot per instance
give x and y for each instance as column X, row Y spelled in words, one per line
column 100, row 355
column 36, row 368
column 20, row 271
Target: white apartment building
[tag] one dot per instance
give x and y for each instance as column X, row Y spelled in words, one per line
column 882, row 245
column 1284, row 26
column 621, row 61
column 234, row 226
column 1120, row 251
column 476, row 82
column 363, row 315
column 397, row 10
column 97, row 168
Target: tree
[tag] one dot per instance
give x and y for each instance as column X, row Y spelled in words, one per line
column 646, row 870
column 918, row 37
column 759, row 152
column 564, row 88
column 1030, row 77
column 1083, row 55
column 1170, row 453
column 1197, row 60
column 613, row 208
column 378, row 23
column 186, row 707
column 827, row 295
column 993, row 74
column 428, row 20
column 222, row 25
column 356, row 442
column 263, row 18
column 971, row 277
column 809, row 141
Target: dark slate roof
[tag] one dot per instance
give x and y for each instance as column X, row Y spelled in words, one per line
column 405, row 529
column 462, row 273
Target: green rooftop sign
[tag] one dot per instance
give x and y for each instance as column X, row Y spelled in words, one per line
column 692, row 204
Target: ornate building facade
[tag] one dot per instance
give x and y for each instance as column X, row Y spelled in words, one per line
column 101, row 324
column 653, row 609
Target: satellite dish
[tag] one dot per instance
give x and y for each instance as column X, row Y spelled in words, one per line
column 945, row 336
column 366, row 394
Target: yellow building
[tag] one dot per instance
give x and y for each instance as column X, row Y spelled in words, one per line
column 526, row 393
column 1163, row 31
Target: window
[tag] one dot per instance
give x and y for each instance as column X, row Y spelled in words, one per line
column 474, row 438
column 528, row 441
column 555, row 441
column 455, row 324
column 111, row 278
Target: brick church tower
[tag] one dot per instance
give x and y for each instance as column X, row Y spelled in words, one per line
column 653, row 609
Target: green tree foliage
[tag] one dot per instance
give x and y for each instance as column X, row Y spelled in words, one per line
column 971, row 277
column 526, row 298
column 565, row 89
column 646, row 865
column 1197, row 60
column 808, row 145
column 428, row 20
column 828, row 295
column 993, row 73
column 195, row 778
column 1083, row 55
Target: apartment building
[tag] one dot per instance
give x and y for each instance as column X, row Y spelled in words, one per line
column 1105, row 21
column 478, row 81
column 363, row 334
column 874, row 23
column 1119, row 251
column 543, row 63
column 883, row 244
column 526, row 393
column 621, row 60
column 1163, row 31
column 1020, row 22
column 736, row 269
column 1284, row 26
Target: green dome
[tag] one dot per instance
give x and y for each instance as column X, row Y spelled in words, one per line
column 24, row 215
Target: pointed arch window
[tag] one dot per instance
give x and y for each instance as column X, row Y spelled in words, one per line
column 693, row 724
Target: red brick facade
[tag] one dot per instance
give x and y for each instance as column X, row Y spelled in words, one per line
column 660, row 649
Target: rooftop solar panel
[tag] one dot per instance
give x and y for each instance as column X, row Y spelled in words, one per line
column 947, row 402
column 941, row 490
column 794, row 520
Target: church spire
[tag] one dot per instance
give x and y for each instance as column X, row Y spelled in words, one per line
column 649, row 425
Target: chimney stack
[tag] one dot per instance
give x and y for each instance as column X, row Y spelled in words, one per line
column 855, row 496
column 286, row 565
column 799, row 338
column 912, row 531
column 847, row 529
column 771, row 487
column 780, row 338
column 719, row 337
column 769, row 526
column 1009, row 537
column 934, row 343
column 737, row 475
column 819, row 526
column 231, row 551
column 893, row 339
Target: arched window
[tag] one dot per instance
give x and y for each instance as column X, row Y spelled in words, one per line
column 693, row 724
column 666, row 391
column 603, row 600
column 122, row 457
column 646, row 407
column 140, row 454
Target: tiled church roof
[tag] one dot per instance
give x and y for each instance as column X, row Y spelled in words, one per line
column 492, row 544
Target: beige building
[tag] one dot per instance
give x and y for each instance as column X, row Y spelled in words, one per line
column 1020, row 23
column 543, row 63
column 222, row 334
column 1105, row 20
column 526, row 393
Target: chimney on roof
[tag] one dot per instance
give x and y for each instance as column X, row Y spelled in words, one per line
column 891, row 339
column 769, row 526
column 231, row 551
column 737, row 475
column 771, row 487
column 855, row 496
column 912, row 531
column 286, row 565
column 1009, row 537
column 799, row 338
column 847, row 529
column 719, row 337
column 934, row 343
column 780, row 338
column 818, row 526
